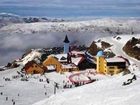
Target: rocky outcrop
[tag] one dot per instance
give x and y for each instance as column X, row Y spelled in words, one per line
column 132, row 49
column 93, row 49
column 105, row 45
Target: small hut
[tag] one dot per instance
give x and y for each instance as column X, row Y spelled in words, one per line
column 33, row 68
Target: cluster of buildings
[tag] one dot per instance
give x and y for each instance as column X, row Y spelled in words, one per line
column 110, row 66
column 67, row 61
column 70, row 61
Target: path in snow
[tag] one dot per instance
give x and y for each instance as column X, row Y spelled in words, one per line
column 117, row 48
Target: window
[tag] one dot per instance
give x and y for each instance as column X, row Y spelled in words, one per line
column 111, row 67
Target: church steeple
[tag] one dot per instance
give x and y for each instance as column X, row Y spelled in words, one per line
column 66, row 45
column 66, row 39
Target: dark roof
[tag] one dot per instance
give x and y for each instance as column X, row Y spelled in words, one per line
column 66, row 39
column 119, row 64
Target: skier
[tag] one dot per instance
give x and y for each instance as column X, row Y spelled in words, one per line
column 14, row 103
column 1, row 93
column 56, row 85
column 134, row 77
column 45, row 93
column 6, row 98
column 47, row 80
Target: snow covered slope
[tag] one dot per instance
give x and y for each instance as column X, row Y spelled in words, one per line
column 34, row 54
column 109, row 26
column 27, row 92
column 104, row 92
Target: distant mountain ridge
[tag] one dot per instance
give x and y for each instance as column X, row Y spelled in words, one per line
column 9, row 18
column 100, row 26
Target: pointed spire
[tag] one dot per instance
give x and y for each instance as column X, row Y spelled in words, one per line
column 66, row 39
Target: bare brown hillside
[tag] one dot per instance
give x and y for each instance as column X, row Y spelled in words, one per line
column 132, row 48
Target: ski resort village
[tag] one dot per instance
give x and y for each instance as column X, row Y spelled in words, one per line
column 101, row 74
column 69, row 52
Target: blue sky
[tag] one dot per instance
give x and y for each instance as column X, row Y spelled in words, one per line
column 71, row 3
column 70, row 8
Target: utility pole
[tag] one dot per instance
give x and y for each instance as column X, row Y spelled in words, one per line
column 55, row 87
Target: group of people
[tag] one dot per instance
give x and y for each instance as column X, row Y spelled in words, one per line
column 6, row 79
column 7, row 98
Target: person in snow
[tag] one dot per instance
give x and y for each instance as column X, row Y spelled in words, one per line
column 134, row 77
column 6, row 98
column 47, row 80
column 14, row 103
column 1, row 93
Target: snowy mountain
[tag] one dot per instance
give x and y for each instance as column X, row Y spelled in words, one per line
column 8, row 18
column 103, row 26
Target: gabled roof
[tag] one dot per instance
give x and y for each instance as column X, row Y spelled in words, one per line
column 115, row 59
column 52, row 58
column 77, row 60
column 66, row 39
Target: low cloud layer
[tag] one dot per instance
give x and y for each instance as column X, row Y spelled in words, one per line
column 13, row 46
